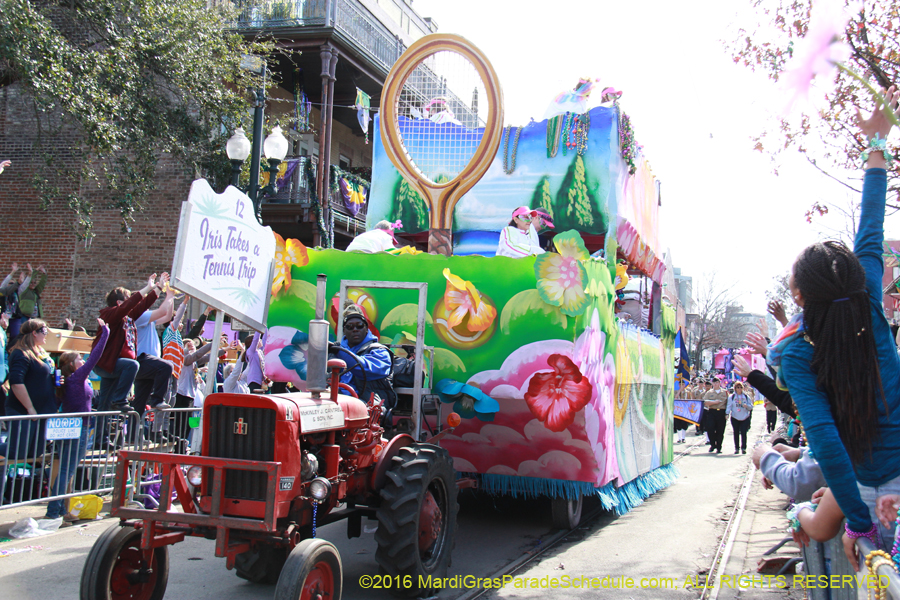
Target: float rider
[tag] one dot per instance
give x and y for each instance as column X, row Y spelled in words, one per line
column 361, row 351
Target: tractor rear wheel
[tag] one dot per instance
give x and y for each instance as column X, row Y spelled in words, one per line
column 417, row 517
column 115, row 568
column 312, row 571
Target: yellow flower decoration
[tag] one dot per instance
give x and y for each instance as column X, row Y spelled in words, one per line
column 405, row 250
column 462, row 298
column 287, row 253
column 561, row 278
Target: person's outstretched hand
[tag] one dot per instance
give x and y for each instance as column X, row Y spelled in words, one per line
column 817, row 495
column 879, row 122
column 886, row 509
column 741, row 366
column 758, row 453
column 757, row 343
column 101, row 323
column 776, row 309
column 801, row 538
column 15, row 267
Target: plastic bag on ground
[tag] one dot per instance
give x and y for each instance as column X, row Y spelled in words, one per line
column 29, row 528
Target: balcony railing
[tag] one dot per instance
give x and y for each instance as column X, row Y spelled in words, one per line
column 298, row 191
column 361, row 29
column 265, row 14
column 348, row 16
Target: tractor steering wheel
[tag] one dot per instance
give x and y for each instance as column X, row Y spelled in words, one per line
column 348, row 368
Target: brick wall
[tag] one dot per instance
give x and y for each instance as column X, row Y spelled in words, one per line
column 79, row 277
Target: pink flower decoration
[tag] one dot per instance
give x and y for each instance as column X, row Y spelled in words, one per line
column 818, row 52
column 555, row 397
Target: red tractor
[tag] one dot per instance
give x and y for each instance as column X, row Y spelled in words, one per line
column 272, row 469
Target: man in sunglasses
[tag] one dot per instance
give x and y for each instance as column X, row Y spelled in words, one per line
column 370, row 363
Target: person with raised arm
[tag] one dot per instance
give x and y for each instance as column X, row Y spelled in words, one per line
column 118, row 366
column 838, row 359
column 76, row 395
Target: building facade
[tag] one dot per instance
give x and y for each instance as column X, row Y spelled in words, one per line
column 342, row 44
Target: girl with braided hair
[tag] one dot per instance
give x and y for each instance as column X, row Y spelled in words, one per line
column 838, row 358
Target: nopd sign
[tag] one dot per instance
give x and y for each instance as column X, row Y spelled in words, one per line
column 223, row 256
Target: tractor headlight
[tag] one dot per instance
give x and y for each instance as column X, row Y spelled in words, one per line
column 319, row 488
column 195, row 476
column 309, row 466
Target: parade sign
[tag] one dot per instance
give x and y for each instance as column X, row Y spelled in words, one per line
column 223, row 256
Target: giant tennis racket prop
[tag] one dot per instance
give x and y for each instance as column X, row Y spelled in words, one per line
column 440, row 142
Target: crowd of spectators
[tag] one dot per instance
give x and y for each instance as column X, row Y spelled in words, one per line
column 140, row 358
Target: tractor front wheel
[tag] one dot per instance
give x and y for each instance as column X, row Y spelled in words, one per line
column 116, row 568
column 312, row 571
column 417, row 517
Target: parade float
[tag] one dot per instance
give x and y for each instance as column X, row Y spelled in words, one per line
column 564, row 384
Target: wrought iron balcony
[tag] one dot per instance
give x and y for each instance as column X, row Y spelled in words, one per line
column 348, row 17
column 297, row 191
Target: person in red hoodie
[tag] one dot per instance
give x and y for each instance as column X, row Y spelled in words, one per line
column 118, row 366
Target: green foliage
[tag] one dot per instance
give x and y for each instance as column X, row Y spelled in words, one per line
column 128, row 80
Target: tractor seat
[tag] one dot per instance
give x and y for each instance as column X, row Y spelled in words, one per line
column 354, row 410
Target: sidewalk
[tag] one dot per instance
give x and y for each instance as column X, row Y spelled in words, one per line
column 763, row 525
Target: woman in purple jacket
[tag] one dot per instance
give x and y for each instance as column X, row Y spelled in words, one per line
column 76, row 394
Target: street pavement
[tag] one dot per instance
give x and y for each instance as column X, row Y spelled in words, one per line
column 669, row 542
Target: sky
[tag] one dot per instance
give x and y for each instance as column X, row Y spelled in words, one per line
column 724, row 210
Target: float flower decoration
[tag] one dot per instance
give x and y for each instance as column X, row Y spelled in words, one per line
column 462, row 298
column 561, row 278
column 293, row 356
column 468, row 400
column 288, row 253
column 555, row 397
column 823, row 51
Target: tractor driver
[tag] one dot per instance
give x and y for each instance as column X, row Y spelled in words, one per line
column 362, row 352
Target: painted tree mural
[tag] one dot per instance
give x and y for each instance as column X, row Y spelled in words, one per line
column 579, row 205
column 410, row 207
column 576, row 206
column 542, row 198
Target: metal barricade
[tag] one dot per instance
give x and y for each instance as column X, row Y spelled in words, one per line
column 164, row 431
column 61, row 455
column 829, row 560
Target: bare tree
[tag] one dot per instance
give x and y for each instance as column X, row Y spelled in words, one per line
column 781, row 292
column 714, row 321
column 842, row 220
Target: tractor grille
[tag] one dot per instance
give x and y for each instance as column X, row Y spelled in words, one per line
column 244, row 433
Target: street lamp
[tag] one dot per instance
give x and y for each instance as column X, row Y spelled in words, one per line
column 238, row 149
column 275, row 148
